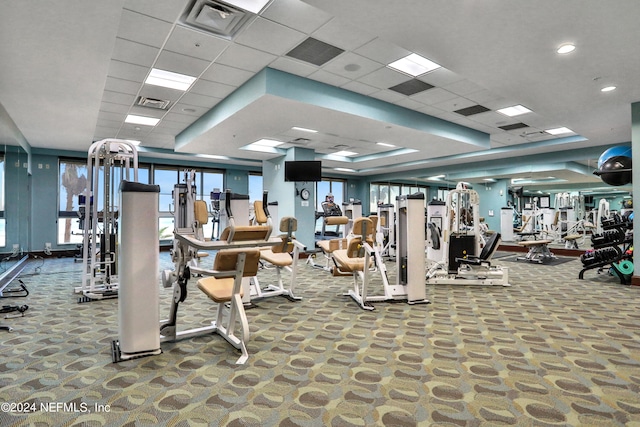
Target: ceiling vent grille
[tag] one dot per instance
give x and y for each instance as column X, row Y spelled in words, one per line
column 300, row 141
column 411, row 87
column 215, row 17
column 470, row 111
column 315, row 52
column 513, row 126
column 159, row 104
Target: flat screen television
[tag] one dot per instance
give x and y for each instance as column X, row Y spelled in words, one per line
column 303, row 171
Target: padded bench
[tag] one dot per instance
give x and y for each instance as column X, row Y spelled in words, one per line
column 538, row 251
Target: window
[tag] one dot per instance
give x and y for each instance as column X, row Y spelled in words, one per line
column 387, row 193
column 325, row 187
column 73, row 182
column 205, row 181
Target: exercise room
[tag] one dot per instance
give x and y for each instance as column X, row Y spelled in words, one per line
column 319, row 213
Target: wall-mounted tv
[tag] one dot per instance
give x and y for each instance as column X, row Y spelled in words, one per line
column 303, row 171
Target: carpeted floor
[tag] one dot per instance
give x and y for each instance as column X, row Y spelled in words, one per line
column 550, row 350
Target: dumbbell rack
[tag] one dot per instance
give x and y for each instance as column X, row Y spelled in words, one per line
column 609, row 248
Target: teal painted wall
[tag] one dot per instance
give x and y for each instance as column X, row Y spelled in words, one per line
column 493, row 197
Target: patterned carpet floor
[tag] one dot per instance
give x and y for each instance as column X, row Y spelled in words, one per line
column 550, row 350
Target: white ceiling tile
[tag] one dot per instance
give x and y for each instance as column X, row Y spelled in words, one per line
column 433, row 96
column 167, row 10
column 118, row 98
column 270, row 37
column 207, row 102
column 360, row 88
column 342, row 34
column 410, row 103
column 382, row 51
column 127, row 71
column 351, row 66
column 179, row 118
column 122, row 86
column 296, row 14
column 112, row 117
column 143, row 29
column 245, row 58
column 482, row 97
column 169, row 125
column 195, row 43
column 383, row 78
column 134, row 53
column 329, row 78
column 114, row 108
column 441, row 77
column 454, row 104
column 217, row 90
column 190, row 66
column 227, row 75
column 188, row 109
column 463, row 87
column 388, row 96
column 293, row 66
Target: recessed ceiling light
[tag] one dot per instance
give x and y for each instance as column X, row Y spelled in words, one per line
column 436, row 177
column 267, row 143
column 344, row 169
column 414, row 65
column 304, row 129
column 253, row 6
column 514, row 110
column 558, row 131
column 141, row 120
column 566, row 48
column 344, row 153
column 384, row 144
column 169, row 79
column 608, row 89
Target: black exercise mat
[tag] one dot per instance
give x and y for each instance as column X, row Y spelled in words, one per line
column 551, row 261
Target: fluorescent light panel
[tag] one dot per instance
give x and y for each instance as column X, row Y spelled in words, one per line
column 304, row 129
column 141, row 120
column 566, row 48
column 514, row 110
column 267, row 143
column 559, row 131
column 384, row 144
column 344, row 169
column 414, row 65
column 169, row 79
column 344, row 153
column 608, row 89
column 253, row 6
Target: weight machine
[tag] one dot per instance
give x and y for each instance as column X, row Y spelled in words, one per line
column 386, row 231
column 109, row 162
column 463, row 263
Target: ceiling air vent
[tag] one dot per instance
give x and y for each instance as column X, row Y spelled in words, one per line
column 513, row 126
column 315, row 52
column 470, row 111
column 159, row 104
column 300, row 141
column 215, row 17
column 411, row 87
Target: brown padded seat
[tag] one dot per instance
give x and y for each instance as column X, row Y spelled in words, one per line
column 528, row 243
column 571, row 237
column 329, row 246
column 336, row 220
column 221, row 289
column 347, row 263
column 246, row 232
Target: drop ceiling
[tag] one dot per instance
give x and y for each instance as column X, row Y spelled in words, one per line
column 72, row 71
